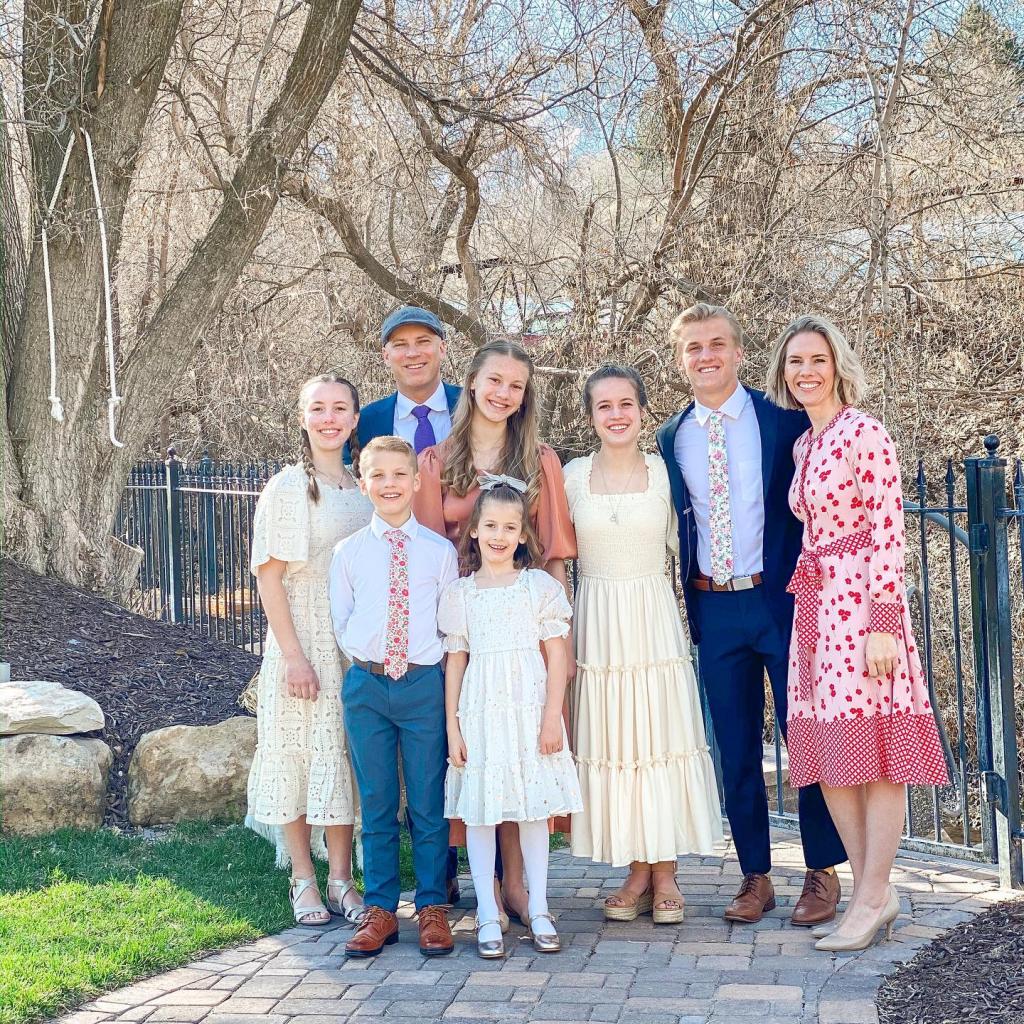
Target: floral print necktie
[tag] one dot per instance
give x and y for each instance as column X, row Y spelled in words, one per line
column 720, row 520
column 396, row 640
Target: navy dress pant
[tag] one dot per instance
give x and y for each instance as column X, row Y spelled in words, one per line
column 741, row 639
column 383, row 716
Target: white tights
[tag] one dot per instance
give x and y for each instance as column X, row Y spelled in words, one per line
column 480, row 846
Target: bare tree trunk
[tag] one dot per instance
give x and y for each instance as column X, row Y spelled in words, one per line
column 12, row 251
column 71, row 475
column 12, row 290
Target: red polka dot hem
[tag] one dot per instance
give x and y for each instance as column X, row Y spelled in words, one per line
column 903, row 748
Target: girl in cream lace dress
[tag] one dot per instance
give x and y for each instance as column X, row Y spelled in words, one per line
column 300, row 784
column 648, row 782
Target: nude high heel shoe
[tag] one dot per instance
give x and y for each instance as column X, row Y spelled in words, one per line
column 832, row 943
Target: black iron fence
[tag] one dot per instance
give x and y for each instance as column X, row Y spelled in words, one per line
column 193, row 525
column 965, row 548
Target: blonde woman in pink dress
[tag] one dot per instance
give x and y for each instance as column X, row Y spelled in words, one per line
column 860, row 720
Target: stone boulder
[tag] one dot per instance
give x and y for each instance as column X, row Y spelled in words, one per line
column 47, row 708
column 51, row 782
column 191, row 773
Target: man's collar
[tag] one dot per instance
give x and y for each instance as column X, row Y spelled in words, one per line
column 731, row 407
column 437, row 402
column 378, row 527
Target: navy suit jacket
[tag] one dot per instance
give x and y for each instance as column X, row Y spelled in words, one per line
column 378, row 418
column 783, row 532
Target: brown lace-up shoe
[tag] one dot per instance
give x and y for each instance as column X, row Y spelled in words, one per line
column 435, row 932
column 377, row 928
column 819, row 900
column 755, row 896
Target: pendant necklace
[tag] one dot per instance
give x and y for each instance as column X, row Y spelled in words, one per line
column 339, row 481
column 625, row 490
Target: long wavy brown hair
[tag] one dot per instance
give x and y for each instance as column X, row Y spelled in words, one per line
column 528, row 555
column 313, row 490
column 520, row 456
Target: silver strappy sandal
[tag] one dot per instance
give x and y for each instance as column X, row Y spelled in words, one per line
column 295, row 891
column 337, row 906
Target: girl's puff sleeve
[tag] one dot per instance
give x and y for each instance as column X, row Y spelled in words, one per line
column 428, row 501
column 451, row 618
column 281, row 523
column 550, row 604
column 554, row 523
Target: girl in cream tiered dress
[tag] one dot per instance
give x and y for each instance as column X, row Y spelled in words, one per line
column 648, row 782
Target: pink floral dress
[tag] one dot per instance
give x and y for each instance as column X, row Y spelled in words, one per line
column 845, row 728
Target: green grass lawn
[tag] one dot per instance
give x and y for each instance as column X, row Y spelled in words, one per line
column 82, row 913
column 85, row 912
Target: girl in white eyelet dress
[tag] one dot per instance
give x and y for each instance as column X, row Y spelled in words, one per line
column 508, row 750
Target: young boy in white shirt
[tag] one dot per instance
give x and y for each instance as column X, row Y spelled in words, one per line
column 385, row 582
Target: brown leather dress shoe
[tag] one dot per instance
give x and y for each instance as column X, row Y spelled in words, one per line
column 435, row 932
column 819, row 900
column 377, row 928
column 755, row 896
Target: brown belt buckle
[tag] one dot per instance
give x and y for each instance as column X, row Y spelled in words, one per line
column 742, row 583
column 706, row 584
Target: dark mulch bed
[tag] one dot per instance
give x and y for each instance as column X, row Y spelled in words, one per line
column 144, row 674
column 974, row 974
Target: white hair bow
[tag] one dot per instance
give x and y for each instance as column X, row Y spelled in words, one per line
column 488, row 481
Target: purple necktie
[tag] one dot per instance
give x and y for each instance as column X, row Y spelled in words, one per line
column 424, row 436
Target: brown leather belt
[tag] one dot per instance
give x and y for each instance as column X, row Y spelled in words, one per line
column 375, row 668
column 702, row 582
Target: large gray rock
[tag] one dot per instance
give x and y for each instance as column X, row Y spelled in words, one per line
column 191, row 773
column 47, row 708
column 51, row 782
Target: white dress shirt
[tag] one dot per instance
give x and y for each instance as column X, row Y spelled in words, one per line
column 746, row 496
column 439, row 416
column 359, row 589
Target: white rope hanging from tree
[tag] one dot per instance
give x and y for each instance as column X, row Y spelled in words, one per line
column 115, row 400
column 56, row 408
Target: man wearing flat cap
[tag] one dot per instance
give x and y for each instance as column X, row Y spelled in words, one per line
column 420, row 411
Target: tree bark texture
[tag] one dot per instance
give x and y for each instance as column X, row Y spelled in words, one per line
column 69, row 475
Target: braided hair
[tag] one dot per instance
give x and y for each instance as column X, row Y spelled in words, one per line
column 306, row 453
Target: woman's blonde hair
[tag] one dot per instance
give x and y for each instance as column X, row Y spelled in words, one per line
column 851, row 385
column 520, row 456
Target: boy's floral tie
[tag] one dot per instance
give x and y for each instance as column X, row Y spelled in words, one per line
column 396, row 642
column 720, row 517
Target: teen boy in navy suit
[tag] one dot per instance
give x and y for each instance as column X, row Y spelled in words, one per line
column 729, row 457
column 420, row 412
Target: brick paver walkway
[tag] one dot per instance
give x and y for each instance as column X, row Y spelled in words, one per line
column 704, row 971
